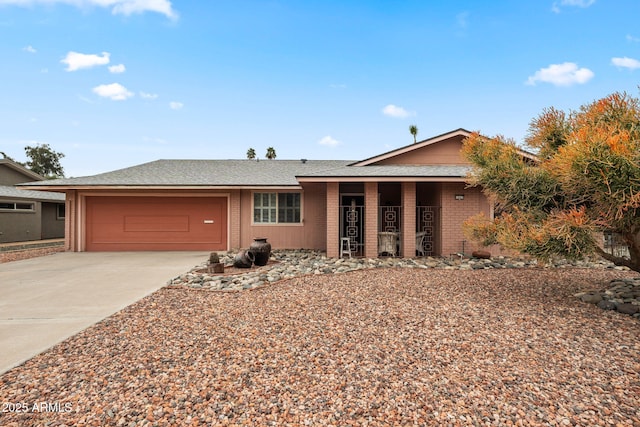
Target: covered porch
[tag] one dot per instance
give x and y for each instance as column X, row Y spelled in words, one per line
column 374, row 219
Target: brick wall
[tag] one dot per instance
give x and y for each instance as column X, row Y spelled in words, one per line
column 408, row 219
column 371, row 219
column 234, row 220
column 333, row 219
column 455, row 212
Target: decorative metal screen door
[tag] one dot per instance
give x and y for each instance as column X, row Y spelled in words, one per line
column 352, row 220
column 427, row 223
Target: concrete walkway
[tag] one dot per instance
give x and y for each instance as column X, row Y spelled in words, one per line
column 48, row 299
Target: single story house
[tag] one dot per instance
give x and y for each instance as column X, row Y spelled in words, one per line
column 28, row 215
column 406, row 202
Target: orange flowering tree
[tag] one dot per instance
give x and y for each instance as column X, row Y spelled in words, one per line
column 584, row 179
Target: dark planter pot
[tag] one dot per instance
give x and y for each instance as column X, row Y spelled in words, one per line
column 261, row 250
column 214, row 258
column 243, row 259
column 216, row 267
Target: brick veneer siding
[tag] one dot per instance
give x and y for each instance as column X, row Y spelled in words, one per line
column 408, row 219
column 333, row 219
column 455, row 212
column 234, row 220
column 371, row 219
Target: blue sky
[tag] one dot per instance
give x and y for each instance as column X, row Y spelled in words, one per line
column 114, row 83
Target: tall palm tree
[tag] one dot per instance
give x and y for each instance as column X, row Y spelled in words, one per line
column 413, row 130
column 271, row 153
column 251, row 154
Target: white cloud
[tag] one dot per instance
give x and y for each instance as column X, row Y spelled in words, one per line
column 128, row 7
column 631, row 38
column 338, row 86
column 145, row 95
column 118, row 7
column 578, row 3
column 76, row 61
column 462, row 19
column 625, row 62
column 565, row 74
column 176, row 105
column 29, row 48
column 113, row 91
column 117, row 69
column 397, row 112
column 575, row 3
column 329, row 141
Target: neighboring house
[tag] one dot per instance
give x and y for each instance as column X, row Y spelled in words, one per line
column 408, row 201
column 28, row 215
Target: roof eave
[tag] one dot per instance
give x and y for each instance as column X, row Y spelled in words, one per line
column 66, row 188
column 411, row 147
column 383, row 179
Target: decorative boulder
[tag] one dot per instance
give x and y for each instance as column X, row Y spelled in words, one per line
column 628, row 308
column 592, row 298
column 606, row 305
column 481, row 254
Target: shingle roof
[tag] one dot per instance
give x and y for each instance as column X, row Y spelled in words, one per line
column 418, row 171
column 8, row 192
column 247, row 173
column 27, row 173
column 202, row 173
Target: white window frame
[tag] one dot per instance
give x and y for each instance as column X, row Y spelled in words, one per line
column 275, row 220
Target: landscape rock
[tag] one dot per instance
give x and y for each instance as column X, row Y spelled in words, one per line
column 481, row 254
column 591, row 298
column 628, row 308
column 287, row 264
column 606, row 305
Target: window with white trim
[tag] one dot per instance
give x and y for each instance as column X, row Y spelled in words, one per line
column 276, row 208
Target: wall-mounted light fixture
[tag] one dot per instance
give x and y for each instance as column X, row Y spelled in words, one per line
column 459, row 196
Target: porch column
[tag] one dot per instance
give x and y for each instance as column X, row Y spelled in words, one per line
column 235, row 218
column 70, row 221
column 408, row 219
column 333, row 220
column 371, row 219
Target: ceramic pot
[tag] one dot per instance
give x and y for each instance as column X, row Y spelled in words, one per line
column 216, row 267
column 243, row 259
column 261, row 250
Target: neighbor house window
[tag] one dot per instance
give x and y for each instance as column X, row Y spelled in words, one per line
column 17, row 206
column 60, row 211
column 276, row 208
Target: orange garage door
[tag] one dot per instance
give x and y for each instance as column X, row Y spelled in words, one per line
column 156, row 223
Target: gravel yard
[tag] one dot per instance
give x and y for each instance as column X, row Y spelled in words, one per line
column 9, row 256
column 373, row 347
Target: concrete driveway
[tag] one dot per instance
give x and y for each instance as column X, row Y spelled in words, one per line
column 48, row 299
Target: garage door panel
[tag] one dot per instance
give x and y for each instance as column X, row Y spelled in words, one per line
column 156, row 223
column 151, row 223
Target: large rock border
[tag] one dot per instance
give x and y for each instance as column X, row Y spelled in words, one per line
column 621, row 295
